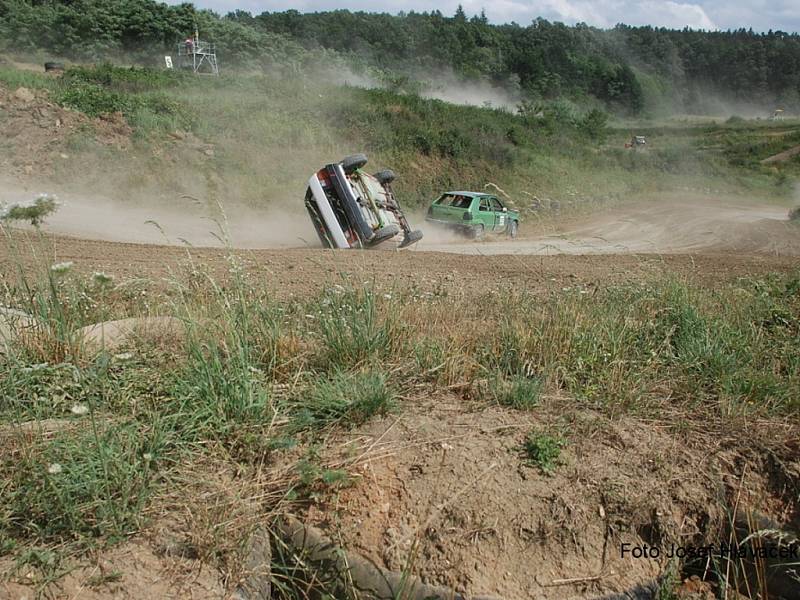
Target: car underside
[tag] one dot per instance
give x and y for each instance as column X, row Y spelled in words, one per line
column 350, row 208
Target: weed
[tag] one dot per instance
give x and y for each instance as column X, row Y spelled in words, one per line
column 519, row 392
column 35, row 213
column 343, row 398
column 543, row 451
column 352, row 330
column 80, row 486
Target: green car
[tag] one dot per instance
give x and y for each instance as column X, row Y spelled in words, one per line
column 473, row 214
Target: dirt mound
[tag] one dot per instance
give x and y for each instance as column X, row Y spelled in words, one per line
column 449, row 496
column 132, row 570
column 37, row 132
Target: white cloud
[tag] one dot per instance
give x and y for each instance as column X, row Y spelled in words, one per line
column 698, row 14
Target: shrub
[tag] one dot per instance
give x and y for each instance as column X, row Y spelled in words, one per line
column 95, row 100
column 35, row 213
column 594, row 125
column 518, row 392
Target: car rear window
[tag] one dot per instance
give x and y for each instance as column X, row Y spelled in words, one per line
column 455, row 200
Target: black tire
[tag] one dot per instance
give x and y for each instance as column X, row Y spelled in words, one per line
column 477, row 231
column 53, row 66
column 385, row 233
column 351, row 163
column 385, row 176
column 512, row 229
column 411, row 237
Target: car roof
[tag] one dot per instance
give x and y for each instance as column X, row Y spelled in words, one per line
column 475, row 194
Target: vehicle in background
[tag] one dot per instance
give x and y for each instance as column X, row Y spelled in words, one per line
column 637, row 141
column 473, row 214
column 352, row 209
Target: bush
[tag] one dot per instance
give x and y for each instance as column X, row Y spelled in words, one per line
column 34, row 213
column 95, row 100
column 122, row 79
column 519, row 392
column 594, row 125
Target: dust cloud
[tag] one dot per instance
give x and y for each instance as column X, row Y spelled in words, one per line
column 182, row 222
column 449, row 88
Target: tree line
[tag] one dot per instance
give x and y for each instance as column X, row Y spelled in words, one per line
column 624, row 69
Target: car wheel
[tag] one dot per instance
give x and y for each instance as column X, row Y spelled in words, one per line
column 385, row 176
column 478, row 231
column 512, row 229
column 351, row 163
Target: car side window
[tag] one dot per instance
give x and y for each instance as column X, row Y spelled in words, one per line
column 496, row 206
column 484, row 204
column 464, row 202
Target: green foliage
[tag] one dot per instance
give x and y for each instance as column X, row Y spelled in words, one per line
column 543, row 450
column 685, row 69
column 352, row 330
column 90, row 485
column 136, row 93
column 95, row 100
column 519, row 392
column 35, row 213
column 347, row 399
column 594, row 125
column 123, row 79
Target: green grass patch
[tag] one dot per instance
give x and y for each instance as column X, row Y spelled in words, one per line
column 81, row 486
column 346, row 399
column 543, row 451
column 352, row 329
column 520, row 391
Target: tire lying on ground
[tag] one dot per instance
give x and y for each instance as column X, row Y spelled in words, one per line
column 351, row 163
column 385, row 176
column 53, row 66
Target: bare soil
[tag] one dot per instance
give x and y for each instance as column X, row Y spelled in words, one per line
column 36, row 132
column 450, row 495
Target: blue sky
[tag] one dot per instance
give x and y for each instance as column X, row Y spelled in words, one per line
column 761, row 15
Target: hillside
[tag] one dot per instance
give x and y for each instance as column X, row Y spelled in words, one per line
column 247, row 140
column 625, row 70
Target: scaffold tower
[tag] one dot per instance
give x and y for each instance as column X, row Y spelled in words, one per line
column 197, row 55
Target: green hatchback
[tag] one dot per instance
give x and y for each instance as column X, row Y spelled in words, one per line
column 473, row 214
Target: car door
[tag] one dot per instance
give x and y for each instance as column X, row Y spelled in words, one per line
column 485, row 214
column 499, row 214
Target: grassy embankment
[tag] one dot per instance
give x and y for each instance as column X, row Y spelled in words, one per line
column 98, row 444
column 267, row 133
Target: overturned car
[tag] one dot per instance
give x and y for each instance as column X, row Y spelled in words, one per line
column 353, row 209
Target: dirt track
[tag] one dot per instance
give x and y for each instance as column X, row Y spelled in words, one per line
column 704, row 239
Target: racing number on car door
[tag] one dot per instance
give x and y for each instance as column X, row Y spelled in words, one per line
column 499, row 215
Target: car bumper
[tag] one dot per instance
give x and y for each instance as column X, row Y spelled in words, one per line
column 460, row 226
